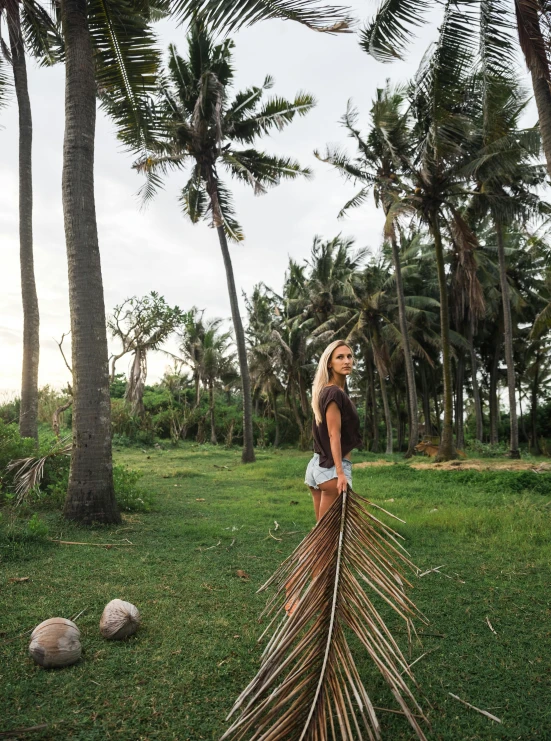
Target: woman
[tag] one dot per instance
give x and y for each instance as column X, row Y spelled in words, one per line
column 336, row 428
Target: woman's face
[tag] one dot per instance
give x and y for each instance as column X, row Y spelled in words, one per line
column 341, row 361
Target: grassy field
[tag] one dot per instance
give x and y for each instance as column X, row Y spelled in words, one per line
column 196, row 650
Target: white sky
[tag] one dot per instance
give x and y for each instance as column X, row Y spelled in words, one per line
column 157, row 249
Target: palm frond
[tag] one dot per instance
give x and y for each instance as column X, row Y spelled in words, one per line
column 194, row 198
column 542, row 322
column 6, row 83
column 308, row 685
column 387, row 35
column 127, row 63
column 231, row 225
column 261, row 170
column 231, row 15
column 277, row 113
column 42, row 35
column 29, row 471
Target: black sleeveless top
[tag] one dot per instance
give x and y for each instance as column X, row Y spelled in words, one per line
column 350, row 425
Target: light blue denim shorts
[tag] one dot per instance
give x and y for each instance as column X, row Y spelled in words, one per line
column 316, row 474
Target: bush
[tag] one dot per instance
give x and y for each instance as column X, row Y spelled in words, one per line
column 12, row 446
column 487, row 450
column 130, row 497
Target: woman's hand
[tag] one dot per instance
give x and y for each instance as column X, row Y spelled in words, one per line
column 342, row 483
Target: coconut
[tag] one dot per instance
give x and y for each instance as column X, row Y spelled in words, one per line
column 55, row 642
column 119, row 620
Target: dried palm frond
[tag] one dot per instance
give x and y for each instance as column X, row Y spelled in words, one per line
column 308, row 687
column 29, row 471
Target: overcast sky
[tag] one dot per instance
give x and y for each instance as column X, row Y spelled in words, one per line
column 156, row 249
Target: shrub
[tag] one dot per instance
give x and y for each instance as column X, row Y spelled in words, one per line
column 487, row 450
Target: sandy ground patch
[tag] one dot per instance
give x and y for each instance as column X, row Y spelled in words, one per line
column 369, row 464
column 484, row 465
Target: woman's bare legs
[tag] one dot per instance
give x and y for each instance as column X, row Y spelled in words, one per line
column 329, row 495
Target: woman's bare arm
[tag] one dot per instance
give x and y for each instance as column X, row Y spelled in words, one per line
column 333, row 418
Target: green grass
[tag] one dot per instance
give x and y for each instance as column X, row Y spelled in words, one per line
column 197, row 649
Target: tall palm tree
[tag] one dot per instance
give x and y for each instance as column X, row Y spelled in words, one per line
column 375, row 167
column 507, row 173
column 486, row 25
column 109, row 47
column 200, row 126
column 31, row 29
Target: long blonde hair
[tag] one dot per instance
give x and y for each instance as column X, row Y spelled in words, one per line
column 322, row 377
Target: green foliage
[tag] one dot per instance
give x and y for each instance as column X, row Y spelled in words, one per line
column 37, row 528
column 9, row 410
column 486, row 450
column 130, row 497
column 117, row 389
column 12, row 446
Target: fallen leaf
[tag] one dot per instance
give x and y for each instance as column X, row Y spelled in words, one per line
column 242, row 574
column 389, row 500
column 237, row 636
column 200, row 500
column 19, row 578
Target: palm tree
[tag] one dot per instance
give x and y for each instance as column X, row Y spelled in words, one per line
column 431, row 184
column 200, row 126
column 214, row 362
column 486, row 25
column 506, row 172
column 29, row 28
column 375, row 168
column 109, row 47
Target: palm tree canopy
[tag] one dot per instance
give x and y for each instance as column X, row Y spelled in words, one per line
column 195, row 123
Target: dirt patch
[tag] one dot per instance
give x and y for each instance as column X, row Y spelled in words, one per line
column 478, row 464
column 369, row 464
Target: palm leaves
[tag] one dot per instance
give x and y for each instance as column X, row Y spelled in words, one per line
column 308, row 686
column 234, row 14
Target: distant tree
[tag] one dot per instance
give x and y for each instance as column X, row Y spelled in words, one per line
column 141, row 325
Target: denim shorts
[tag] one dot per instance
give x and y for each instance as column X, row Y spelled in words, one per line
column 316, row 474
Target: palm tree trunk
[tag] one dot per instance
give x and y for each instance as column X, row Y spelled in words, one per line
column 375, row 416
column 213, row 439
column 276, row 421
column 446, row 449
column 366, row 432
column 90, row 494
column 542, row 96
column 426, row 400
column 459, row 405
column 522, row 421
column 386, row 410
column 436, row 408
column 534, row 409
column 28, row 416
column 494, row 431
column 508, row 334
column 247, row 455
column 476, row 388
column 408, row 357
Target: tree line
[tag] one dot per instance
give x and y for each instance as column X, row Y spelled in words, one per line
column 444, row 157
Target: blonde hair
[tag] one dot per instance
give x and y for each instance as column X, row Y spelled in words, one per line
column 322, row 377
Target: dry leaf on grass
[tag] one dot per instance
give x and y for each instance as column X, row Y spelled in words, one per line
column 242, row 574
column 17, row 579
